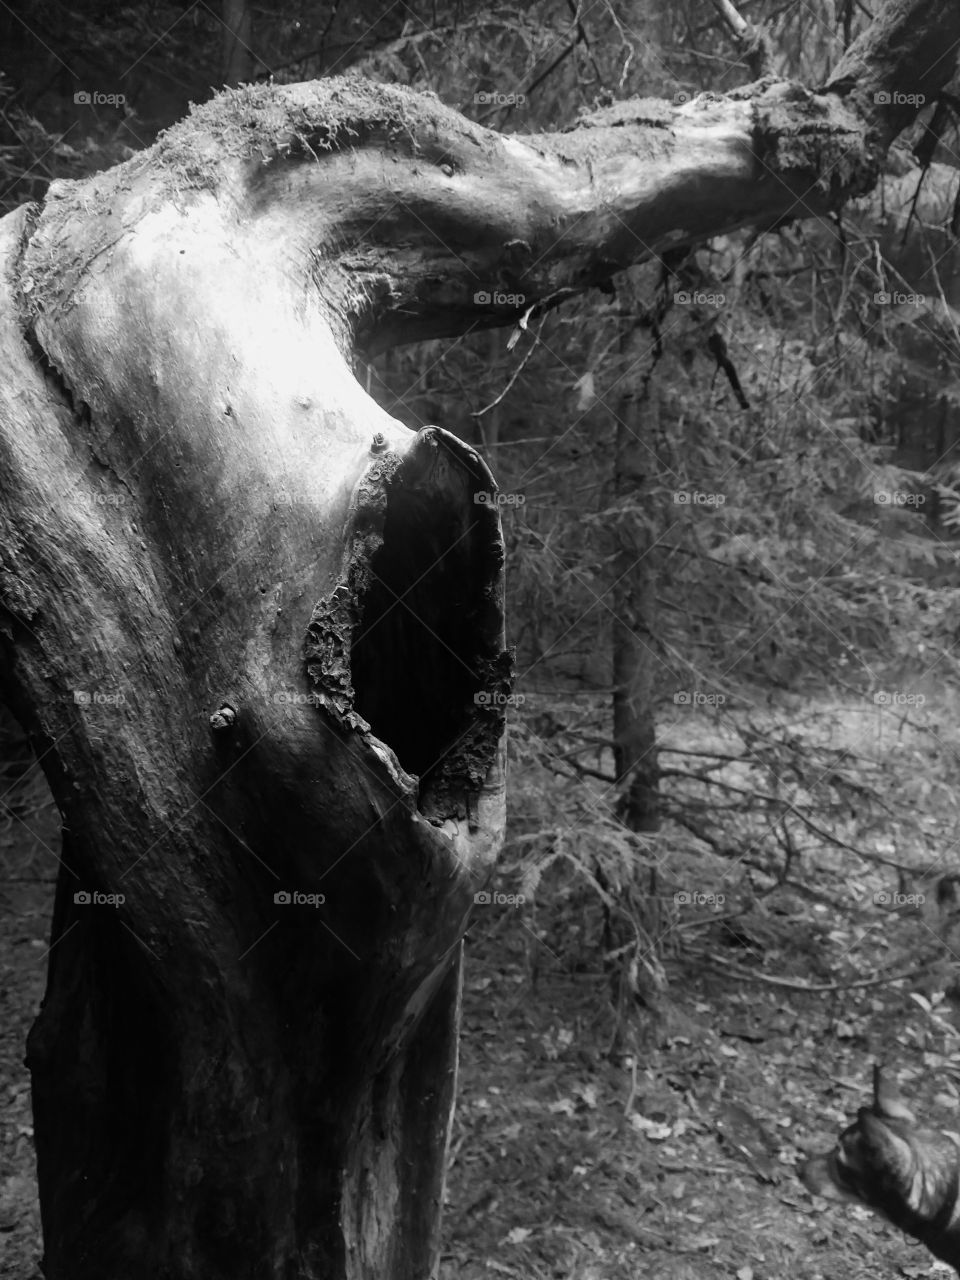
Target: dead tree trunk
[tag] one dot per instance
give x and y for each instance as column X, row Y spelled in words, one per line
column 254, row 625
column 255, row 629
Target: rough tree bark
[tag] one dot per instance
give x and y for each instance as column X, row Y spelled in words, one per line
column 254, row 626
column 246, row 618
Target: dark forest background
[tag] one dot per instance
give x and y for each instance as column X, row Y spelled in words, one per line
column 730, row 491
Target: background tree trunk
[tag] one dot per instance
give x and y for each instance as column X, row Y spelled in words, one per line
column 237, row 35
column 636, row 667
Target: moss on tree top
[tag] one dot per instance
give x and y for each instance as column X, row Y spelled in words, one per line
column 264, row 123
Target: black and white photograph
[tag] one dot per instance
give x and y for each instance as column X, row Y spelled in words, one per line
column 479, row 640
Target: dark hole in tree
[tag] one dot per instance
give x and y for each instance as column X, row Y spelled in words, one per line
column 415, row 651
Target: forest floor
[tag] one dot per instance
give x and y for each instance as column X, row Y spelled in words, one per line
column 29, row 846
column 570, row 1162
column 590, row 1146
